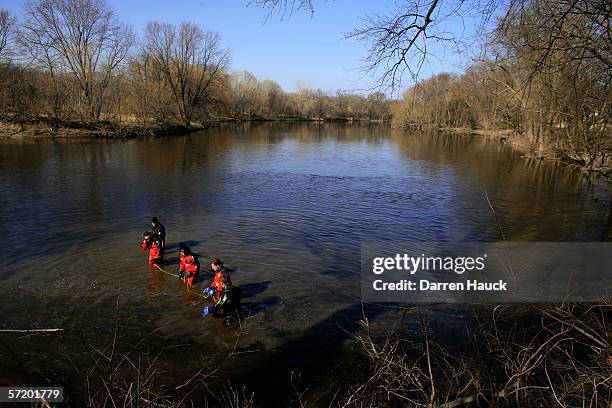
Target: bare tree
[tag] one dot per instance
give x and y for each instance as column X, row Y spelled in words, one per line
column 7, row 22
column 82, row 38
column 150, row 95
column 5, row 28
column 191, row 60
column 555, row 57
column 244, row 93
column 397, row 38
column 283, row 7
column 398, row 42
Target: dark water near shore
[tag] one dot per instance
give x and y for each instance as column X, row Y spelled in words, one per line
column 285, row 206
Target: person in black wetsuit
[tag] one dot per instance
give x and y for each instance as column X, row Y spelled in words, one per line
column 228, row 304
column 159, row 232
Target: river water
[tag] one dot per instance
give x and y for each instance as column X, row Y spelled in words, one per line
column 286, row 206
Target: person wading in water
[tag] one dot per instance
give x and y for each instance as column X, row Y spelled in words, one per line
column 214, row 288
column 189, row 267
column 228, row 302
column 150, row 242
column 160, row 232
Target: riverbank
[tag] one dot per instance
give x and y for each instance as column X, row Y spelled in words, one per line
column 336, row 119
column 546, row 150
column 49, row 128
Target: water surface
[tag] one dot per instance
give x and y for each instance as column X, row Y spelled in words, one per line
column 285, row 206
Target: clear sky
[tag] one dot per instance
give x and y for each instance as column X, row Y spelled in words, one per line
column 301, row 47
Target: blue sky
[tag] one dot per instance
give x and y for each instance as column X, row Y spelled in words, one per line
column 301, row 47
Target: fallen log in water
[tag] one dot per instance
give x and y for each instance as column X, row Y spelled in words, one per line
column 30, row 330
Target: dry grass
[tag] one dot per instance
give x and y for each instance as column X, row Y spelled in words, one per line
column 557, row 356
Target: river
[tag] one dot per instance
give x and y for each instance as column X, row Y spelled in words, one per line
column 285, row 206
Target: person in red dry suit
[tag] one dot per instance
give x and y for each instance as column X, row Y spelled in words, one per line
column 215, row 286
column 151, row 243
column 228, row 303
column 190, row 266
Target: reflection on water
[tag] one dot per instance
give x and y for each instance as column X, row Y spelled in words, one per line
column 285, row 205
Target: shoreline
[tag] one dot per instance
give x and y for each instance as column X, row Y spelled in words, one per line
column 45, row 129
column 523, row 145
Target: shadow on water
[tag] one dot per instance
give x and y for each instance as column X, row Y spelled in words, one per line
column 175, row 246
column 313, row 356
column 252, row 289
column 171, row 261
column 249, row 309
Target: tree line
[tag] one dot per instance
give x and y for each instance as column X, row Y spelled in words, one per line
column 74, row 60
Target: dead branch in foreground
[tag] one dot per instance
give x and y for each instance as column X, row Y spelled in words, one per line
column 557, row 356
